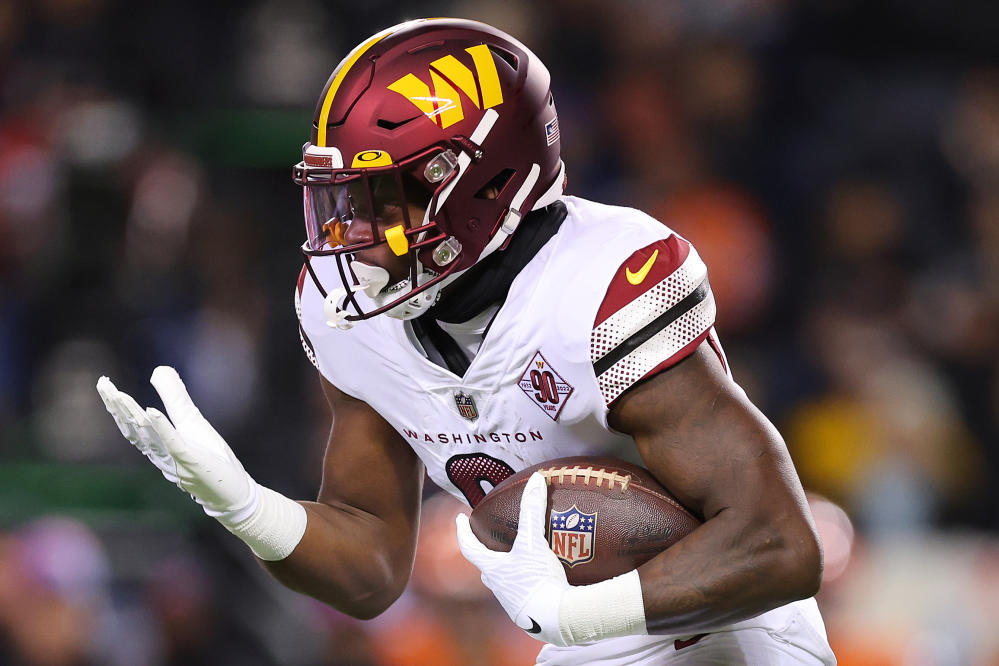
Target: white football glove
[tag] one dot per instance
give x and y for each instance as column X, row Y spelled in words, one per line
column 529, row 581
column 190, row 453
column 531, row 585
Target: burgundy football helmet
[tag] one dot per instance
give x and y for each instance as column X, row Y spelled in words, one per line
column 449, row 115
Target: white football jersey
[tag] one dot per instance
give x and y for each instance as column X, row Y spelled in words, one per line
column 531, row 392
column 612, row 298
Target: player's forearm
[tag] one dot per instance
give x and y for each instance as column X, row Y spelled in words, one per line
column 346, row 559
column 731, row 568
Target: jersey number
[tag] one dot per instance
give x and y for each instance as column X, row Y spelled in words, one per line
column 544, row 384
column 467, row 471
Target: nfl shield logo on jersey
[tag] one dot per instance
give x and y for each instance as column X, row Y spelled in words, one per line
column 466, row 406
column 572, row 534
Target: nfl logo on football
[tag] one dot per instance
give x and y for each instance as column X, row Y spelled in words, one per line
column 572, row 535
column 466, row 406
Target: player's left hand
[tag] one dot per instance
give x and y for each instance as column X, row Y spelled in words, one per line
column 529, row 581
column 188, row 451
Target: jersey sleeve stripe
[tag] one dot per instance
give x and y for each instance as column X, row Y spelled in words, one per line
column 683, row 353
column 719, row 352
column 307, row 347
column 644, row 334
column 656, row 329
column 666, row 348
column 630, row 317
column 301, row 281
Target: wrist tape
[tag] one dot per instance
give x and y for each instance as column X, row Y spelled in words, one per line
column 606, row 609
column 271, row 524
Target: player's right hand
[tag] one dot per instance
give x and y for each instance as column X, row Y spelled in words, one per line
column 188, row 451
column 529, row 580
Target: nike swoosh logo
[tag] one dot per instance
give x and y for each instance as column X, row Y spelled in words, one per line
column 679, row 645
column 639, row 277
column 535, row 627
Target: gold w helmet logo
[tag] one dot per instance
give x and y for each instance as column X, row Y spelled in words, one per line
column 442, row 104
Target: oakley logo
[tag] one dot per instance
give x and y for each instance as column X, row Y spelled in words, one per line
column 447, row 76
column 371, row 158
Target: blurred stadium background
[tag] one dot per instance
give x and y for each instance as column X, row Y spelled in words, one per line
column 835, row 161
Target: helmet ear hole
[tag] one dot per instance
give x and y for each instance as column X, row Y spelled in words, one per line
column 505, row 56
column 494, row 188
column 384, row 123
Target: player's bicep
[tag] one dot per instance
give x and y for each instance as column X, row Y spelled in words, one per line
column 699, row 434
column 368, row 468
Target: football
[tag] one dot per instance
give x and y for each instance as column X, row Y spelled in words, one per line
column 605, row 516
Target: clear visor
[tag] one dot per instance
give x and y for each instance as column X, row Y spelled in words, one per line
column 333, row 211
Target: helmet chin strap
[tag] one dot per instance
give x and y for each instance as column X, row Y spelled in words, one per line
column 377, row 278
column 335, row 317
column 418, row 304
column 372, row 280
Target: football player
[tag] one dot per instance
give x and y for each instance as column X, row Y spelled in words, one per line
column 468, row 320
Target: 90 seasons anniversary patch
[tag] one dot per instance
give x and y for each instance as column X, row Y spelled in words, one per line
column 545, row 387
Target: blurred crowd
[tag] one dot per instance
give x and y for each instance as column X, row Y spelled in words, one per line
column 836, row 163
